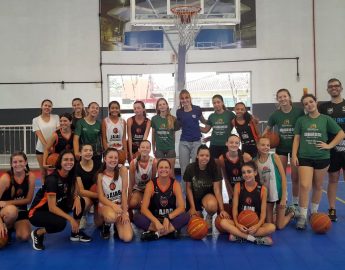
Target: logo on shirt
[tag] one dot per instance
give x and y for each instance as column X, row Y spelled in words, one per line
column 235, row 172
column 115, row 131
column 112, row 186
column 286, row 122
column 312, row 126
column 163, row 201
column 343, row 108
column 330, row 110
column 162, row 126
column 144, row 177
column 248, row 200
column 19, row 192
column 138, row 130
column 193, row 116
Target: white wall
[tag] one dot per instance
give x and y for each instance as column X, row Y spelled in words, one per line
column 50, row 40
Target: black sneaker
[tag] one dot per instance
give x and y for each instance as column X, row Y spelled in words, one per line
column 37, row 240
column 80, row 237
column 116, row 233
column 149, row 236
column 105, row 231
column 173, row 235
column 332, row 213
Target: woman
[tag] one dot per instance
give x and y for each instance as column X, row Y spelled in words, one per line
column 141, row 170
column 285, row 119
column 164, row 126
column 249, row 195
column 62, row 138
column 78, row 111
column 112, row 185
column 231, row 163
column 311, row 153
column 246, row 127
column 188, row 116
column 86, row 174
column 162, row 210
column 273, row 177
column 138, row 128
column 221, row 123
column 50, row 209
column 204, row 186
column 88, row 131
column 16, row 193
column 44, row 125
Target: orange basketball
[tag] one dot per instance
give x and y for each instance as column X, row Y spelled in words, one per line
column 248, row 218
column 122, row 157
column 197, row 228
column 274, row 139
column 217, row 224
column 51, row 159
column 320, row 223
column 93, row 188
column 3, row 241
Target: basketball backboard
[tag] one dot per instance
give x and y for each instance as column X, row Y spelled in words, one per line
column 158, row 12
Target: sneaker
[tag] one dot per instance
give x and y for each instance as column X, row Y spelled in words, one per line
column 292, row 209
column 173, row 235
column 208, row 220
column 234, row 238
column 80, row 237
column 149, row 236
column 265, row 240
column 83, row 222
column 105, row 232
column 37, row 240
column 301, row 223
column 332, row 213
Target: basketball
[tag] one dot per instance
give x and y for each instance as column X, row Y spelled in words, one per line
column 274, row 139
column 51, row 159
column 3, row 241
column 93, row 188
column 320, row 223
column 217, row 224
column 122, row 157
column 197, row 228
column 248, row 218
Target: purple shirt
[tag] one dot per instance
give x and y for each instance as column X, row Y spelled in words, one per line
column 189, row 122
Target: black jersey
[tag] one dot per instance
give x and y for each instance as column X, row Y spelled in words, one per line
column 63, row 143
column 337, row 112
column 54, row 184
column 87, row 178
column 246, row 132
column 162, row 203
column 250, row 200
column 138, row 132
column 233, row 170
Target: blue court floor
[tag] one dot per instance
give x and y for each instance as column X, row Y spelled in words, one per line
column 292, row 249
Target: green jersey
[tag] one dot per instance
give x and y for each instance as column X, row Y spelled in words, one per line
column 285, row 123
column 165, row 138
column 221, row 127
column 90, row 134
column 312, row 131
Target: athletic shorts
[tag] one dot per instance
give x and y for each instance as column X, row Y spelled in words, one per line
column 283, row 153
column 337, row 161
column 39, row 152
column 316, row 164
column 165, row 154
column 217, row 150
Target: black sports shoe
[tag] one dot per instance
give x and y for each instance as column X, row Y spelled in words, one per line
column 173, row 235
column 80, row 237
column 37, row 240
column 149, row 236
column 332, row 213
column 105, row 231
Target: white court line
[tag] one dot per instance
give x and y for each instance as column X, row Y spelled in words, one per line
column 338, row 199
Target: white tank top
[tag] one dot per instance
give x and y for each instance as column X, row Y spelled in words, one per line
column 112, row 188
column 115, row 133
column 143, row 175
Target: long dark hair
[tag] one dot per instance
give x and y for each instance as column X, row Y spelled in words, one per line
column 104, row 165
column 22, row 154
column 253, row 165
column 211, row 167
column 116, row 103
column 247, row 116
column 139, row 156
column 142, row 105
column 83, row 112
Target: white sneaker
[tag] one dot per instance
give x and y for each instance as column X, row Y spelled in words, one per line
column 83, row 223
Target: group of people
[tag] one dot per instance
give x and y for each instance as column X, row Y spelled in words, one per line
column 90, row 171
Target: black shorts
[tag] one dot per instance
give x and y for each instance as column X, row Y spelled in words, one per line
column 283, row 153
column 250, row 149
column 22, row 214
column 318, row 164
column 337, row 161
column 217, row 150
column 38, row 152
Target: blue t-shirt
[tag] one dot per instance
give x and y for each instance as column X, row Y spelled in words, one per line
column 189, row 122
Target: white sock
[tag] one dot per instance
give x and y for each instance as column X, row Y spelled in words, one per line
column 250, row 238
column 314, row 208
column 303, row 211
column 295, row 200
column 157, row 233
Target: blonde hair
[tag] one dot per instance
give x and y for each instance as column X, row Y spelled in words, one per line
column 170, row 118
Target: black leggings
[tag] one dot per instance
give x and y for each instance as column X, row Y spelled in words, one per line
column 51, row 222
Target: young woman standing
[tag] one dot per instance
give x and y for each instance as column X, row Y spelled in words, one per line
column 311, row 153
column 78, row 111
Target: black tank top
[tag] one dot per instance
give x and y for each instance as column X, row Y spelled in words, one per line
column 250, row 200
column 245, row 133
column 62, row 143
column 138, row 132
column 233, row 170
column 162, row 203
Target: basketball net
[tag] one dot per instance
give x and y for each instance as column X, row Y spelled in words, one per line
column 186, row 22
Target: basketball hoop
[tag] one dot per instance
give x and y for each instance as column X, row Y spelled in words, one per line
column 186, row 21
